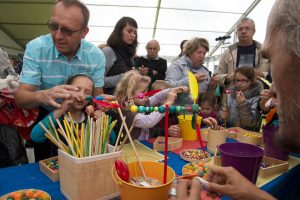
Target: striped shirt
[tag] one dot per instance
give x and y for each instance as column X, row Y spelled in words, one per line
column 45, row 67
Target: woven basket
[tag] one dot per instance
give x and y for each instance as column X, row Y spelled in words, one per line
column 88, row 178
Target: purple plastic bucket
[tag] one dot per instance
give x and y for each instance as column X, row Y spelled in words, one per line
column 245, row 158
column 271, row 149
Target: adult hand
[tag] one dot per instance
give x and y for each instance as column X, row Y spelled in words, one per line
column 228, row 181
column 49, row 96
column 213, row 81
column 174, row 130
column 210, row 121
column 188, row 190
column 200, row 76
column 229, row 78
column 240, row 97
column 143, row 70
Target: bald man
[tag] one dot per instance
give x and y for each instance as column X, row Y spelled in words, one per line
column 151, row 64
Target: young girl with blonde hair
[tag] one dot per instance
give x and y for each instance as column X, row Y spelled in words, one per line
column 130, row 86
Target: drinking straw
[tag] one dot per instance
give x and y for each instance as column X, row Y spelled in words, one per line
column 166, row 143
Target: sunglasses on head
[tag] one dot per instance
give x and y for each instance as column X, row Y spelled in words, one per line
column 65, row 31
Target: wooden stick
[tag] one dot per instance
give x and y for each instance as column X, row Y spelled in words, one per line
column 97, row 135
column 132, row 144
column 119, row 136
column 55, row 131
column 126, row 137
column 91, row 136
column 71, row 134
column 82, row 139
column 49, row 135
column 101, row 133
column 109, row 133
column 64, row 134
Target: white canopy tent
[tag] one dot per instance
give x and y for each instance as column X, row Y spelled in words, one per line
column 168, row 21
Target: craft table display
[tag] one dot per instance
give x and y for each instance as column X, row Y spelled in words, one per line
column 30, row 176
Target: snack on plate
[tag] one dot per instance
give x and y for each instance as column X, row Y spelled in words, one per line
column 28, row 194
column 196, row 168
column 194, row 155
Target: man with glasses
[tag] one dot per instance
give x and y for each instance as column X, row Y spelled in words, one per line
column 50, row 59
column 246, row 52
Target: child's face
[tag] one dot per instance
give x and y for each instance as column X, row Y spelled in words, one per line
column 242, row 82
column 142, row 87
column 206, row 108
column 85, row 88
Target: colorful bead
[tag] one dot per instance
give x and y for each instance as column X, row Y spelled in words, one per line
column 161, row 109
column 151, row 109
column 133, row 108
column 155, row 108
column 99, row 98
column 189, row 108
column 88, row 98
column 195, row 107
column 147, row 109
column 183, row 109
column 178, row 109
column 172, row 109
column 141, row 109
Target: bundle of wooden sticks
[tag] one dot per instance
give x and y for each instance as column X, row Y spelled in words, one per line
column 88, row 139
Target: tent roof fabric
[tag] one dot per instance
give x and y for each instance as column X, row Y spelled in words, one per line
column 168, row 21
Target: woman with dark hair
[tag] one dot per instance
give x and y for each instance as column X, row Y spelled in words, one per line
column 119, row 53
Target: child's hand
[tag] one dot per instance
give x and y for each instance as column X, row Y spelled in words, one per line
column 224, row 114
column 210, row 121
column 240, row 97
column 174, row 130
column 97, row 114
column 57, row 113
column 180, row 89
column 171, row 98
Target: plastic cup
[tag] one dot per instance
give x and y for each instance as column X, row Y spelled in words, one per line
column 185, row 124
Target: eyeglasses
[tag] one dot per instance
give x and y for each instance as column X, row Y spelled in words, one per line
column 240, row 81
column 65, row 31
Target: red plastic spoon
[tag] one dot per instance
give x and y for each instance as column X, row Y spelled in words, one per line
column 122, row 170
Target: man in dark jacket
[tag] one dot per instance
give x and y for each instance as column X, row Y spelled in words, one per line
column 151, row 64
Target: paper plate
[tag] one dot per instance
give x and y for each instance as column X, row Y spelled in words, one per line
column 27, row 194
column 194, row 155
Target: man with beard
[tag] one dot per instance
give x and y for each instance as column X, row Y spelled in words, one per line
column 50, row 59
column 282, row 49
